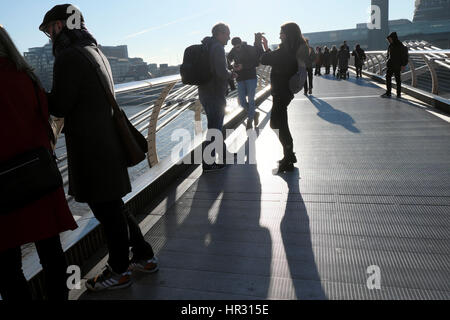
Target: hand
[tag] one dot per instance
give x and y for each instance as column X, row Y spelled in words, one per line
column 403, row 68
column 234, row 75
column 238, row 67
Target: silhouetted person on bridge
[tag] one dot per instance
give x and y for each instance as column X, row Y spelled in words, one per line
column 246, row 59
column 334, row 59
column 98, row 172
column 343, row 57
column 284, row 64
column 309, row 68
column 326, row 59
column 24, row 127
column 213, row 94
column 360, row 57
column 319, row 61
column 397, row 61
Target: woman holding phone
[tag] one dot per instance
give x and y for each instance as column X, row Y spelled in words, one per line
column 284, row 65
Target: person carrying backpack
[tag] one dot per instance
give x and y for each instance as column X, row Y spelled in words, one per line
column 212, row 93
column 397, row 61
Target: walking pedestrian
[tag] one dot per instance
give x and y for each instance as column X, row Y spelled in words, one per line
column 360, row 57
column 284, row 62
column 98, row 172
column 334, row 59
column 309, row 68
column 246, row 59
column 397, row 61
column 326, row 59
column 24, row 127
column 319, row 61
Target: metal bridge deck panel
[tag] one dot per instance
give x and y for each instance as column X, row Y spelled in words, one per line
column 372, row 187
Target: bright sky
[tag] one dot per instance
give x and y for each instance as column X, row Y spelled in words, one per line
column 159, row 31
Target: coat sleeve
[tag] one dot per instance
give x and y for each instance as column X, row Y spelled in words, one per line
column 270, row 58
column 220, row 63
column 67, row 78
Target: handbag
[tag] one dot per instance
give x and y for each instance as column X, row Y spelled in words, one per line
column 133, row 142
column 29, row 176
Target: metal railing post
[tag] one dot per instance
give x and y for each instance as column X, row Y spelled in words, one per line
column 152, row 155
column 434, row 77
column 413, row 73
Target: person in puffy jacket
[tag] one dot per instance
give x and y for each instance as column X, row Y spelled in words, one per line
column 334, row 59
column 284, row 63
column 326, row 59
column 24, row 126
column 360, row 57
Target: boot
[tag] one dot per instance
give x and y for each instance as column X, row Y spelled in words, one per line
column 289, row 155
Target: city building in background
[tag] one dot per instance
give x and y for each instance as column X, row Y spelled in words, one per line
column 124, row 68
column 431, row 23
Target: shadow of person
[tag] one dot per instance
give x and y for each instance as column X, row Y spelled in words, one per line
column 296, row 234
column 361, row 82
column 334, row 116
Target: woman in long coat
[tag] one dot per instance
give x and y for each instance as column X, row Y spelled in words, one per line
column 23, row 127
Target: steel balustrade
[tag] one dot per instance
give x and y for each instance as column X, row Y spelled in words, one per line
column 160, row 109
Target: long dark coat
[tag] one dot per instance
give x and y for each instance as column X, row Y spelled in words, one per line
column 97, row 166
column 23, row 128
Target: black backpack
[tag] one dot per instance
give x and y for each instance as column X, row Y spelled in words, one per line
column 196, row 68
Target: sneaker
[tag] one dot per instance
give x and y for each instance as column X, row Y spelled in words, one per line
column 399, row 96
column 256, row 119
column 109, row 280
column 213, row 167
column 386, row 95
column 310, row 91
column 147, row 266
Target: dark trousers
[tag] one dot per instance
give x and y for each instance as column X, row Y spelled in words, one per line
column 398, row 78
column 334, row 69
column 327, row 69
column 215, row 114
column 318, row 67
column 13, row 285
column 358, row 69
column 122, row 232
column 279, row 121
column 309, row 80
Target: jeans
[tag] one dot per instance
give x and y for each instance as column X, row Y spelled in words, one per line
column 279, row 121
column 13, row 285
column 121, row 231
column 398, row 78
column 247, row 88
column 309, row 80
column 215, row 113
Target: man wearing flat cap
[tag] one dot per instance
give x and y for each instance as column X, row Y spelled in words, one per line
column 98, row 172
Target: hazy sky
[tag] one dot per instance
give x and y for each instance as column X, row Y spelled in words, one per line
column 159, row 31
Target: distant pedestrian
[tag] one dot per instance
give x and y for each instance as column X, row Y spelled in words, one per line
column 98, row 172
column 246, row 59
column 309, row 68
column 326, row 59
column 24, row 127
column 343, row 57
column 319, row 61
column 334, row 59
column 397, row 61
column 360, row 57
column 212, row 94
column 284, row 62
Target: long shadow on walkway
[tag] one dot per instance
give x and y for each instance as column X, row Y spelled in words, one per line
column 334, row 116
column 296, row 234
column 353, row 80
